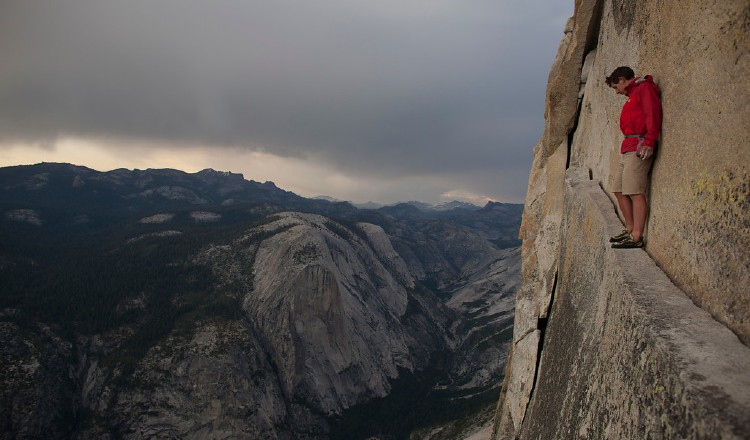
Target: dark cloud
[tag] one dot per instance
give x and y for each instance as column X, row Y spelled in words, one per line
column 420, row 87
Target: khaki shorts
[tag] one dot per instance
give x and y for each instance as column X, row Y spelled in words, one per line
column 631, row 174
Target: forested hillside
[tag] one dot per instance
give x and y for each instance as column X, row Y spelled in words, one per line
column 160, row 303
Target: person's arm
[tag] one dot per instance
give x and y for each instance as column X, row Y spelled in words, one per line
column 652, row 112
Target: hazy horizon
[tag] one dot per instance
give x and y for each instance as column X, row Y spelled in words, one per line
column 428, row 100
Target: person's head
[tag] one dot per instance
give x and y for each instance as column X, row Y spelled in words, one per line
column 620, row 79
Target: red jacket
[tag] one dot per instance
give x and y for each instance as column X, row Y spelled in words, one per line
column 641, row 114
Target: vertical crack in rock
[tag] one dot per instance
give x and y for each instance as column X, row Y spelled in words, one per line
column 594, row 28
column 572, row 132
column 542, row 322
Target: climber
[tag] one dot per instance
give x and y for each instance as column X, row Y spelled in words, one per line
column 640, row 122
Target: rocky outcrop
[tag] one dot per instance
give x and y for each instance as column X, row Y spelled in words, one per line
column 247, row 326
column 330, row 314
column 213, row 383
column 634, row 343
column 260, row 314
column 39, row 392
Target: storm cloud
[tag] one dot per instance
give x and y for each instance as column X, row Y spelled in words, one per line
column 379, row 89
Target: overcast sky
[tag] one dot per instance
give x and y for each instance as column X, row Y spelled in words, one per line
column 377, row 100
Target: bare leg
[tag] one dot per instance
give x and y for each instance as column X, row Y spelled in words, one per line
column 640, row 212
column 626, row 207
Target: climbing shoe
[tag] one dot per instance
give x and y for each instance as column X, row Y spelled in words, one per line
column 628, row 243
column 620, row 237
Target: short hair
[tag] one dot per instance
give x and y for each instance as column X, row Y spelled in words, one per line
column 621, row 72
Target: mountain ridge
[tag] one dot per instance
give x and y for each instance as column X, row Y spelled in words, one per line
column 147, row 286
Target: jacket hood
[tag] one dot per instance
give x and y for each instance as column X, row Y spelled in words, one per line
column 647, row 78
column 638, row 81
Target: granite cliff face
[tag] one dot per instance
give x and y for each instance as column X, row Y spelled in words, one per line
column 638, row 343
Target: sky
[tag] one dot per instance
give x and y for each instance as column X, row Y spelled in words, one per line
column 384, row 101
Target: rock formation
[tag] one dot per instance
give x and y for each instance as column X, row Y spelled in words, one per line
column 638, row 343
column 161, row 304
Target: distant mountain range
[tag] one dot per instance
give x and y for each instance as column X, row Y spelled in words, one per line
column 427, row 207
column 163, row 304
